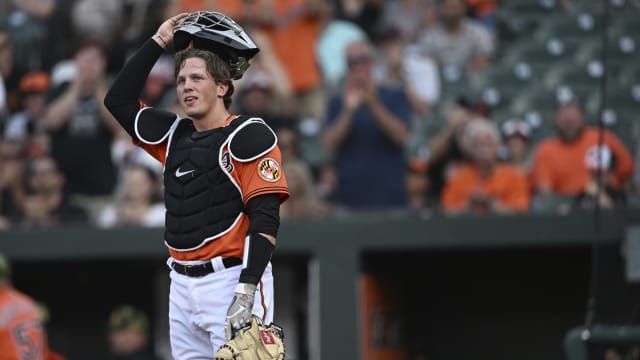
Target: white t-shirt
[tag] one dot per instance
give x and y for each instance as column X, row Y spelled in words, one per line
column 153, row 218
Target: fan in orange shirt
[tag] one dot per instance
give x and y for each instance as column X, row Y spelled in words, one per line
column 483, row 185
column 566, row 164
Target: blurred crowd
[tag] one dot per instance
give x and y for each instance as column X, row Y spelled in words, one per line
column 348, row 85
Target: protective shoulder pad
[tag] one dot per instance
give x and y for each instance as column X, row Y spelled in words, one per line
column 153, row 125
column 251, row 140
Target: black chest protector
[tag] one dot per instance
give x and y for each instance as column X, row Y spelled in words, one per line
column 201, row 201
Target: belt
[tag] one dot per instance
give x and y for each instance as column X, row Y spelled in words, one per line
column 200, row 270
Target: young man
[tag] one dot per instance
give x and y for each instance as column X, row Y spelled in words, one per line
column 223, row 182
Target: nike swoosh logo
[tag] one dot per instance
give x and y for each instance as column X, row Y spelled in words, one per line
column 182, row 173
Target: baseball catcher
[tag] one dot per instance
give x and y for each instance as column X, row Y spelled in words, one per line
column 223, row 186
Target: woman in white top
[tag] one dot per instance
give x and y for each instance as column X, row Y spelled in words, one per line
column 138, row 202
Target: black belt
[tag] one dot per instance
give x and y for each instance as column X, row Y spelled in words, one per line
column 200, row 270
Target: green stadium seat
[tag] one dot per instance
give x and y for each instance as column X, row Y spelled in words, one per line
column 621, row 50
column 540, row 51
column 576, row 76
column 569, row 26
column 618, row 98
column 626, row 22
column 629, row 75
column 534, row 99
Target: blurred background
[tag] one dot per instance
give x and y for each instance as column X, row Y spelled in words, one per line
column 464, row 174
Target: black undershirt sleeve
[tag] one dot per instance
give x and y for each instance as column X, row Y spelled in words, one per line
column 264, row 218
column 264, row 214
column 122, row 99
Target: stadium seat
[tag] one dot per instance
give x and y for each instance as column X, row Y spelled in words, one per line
column 540, row 51
column 576, row 76
column 629, row 75
column 621, row 50
column 537, row 98
column 569, row 26
column 626, row 22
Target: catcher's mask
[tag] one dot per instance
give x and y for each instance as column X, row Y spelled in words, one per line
column 218, row 33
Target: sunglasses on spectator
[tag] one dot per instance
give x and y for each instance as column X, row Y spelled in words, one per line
column 358, row 60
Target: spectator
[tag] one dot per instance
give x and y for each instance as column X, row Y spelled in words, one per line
column 60, row 37
column 46, row 203
column 401, row 66
column 366, row 131
column 516, row 135
column 26, row 24
column 159, row 86
column 567, row 163
column 305, row 202
column 10, row 72
column 431, row 164
column 96, row 19
column 12, row 192
column 483, row 185
column 77, row 119
column 335, row 36
column 128, row 334
column 22, row 331
column 138, row 203
column 408, row 16
column 21, row 125
column 364, row 13
column 258, row 96
column 484, row 11
column 293, row 27
column 266, row 67
column 457, row 42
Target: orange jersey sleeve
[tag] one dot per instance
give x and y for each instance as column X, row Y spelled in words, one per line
column 262, row 176
column 158, row 151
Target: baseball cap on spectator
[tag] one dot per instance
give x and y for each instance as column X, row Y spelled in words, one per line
column 516, row 127
column 127, row 317
column 34, row 82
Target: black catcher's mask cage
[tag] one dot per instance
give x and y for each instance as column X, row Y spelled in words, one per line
column 218, row 33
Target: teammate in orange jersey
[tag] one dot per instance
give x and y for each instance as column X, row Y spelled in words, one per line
column 22, row 331
column 223, row 180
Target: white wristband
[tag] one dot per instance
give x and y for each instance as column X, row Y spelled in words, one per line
column 164, row 43
column 245, row 289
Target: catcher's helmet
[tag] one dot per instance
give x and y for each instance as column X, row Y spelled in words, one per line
column 216, row 32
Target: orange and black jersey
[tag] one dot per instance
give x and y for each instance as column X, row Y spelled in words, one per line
column 260, row 176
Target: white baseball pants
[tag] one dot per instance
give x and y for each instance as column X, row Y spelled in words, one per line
column 198, row 308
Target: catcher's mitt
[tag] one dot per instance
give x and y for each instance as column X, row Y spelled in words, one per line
column 255, row 341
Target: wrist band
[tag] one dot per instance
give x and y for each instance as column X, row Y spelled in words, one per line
column 161, row 39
